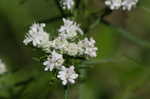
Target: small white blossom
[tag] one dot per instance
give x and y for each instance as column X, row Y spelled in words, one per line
column 65, row 47
column 123, row 4
column 59, row 44
column 55, row 60
column 37, row 36
column 72, row 49
column 89, row 47
column 128, row 4
column 114, row 4
column 67, row 4
column 67, row 75
column 69, row 30
column 2, row 67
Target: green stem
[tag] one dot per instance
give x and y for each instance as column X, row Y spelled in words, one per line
column 66, row 92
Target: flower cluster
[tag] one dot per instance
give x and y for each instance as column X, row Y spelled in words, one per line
column 69, row 30
column 2, row 67
column 124, row 4
column 67, row 4
column 88, row 47
column 67, row 43
column 67, row 75
column 37, row 36
column 55, row 60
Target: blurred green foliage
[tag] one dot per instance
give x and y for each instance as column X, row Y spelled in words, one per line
column 121, row 70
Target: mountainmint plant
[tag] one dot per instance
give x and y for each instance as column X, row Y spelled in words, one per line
column 70, row 44
column 65, row 51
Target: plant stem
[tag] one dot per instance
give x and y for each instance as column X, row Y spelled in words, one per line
column 66, row 92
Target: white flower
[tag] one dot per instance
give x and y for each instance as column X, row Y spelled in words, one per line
column 67, row 4
column 37, row 36
column 69, row 30
column 128, row 4
column 114, row 4
column 55, row 60
column 67, row 75
column 65, row 47
column 59, row 44
column 72, row 49
column 2, row 67
column 89, row 47
column 123, row 4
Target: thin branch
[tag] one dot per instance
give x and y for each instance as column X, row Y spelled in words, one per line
column 50, row 20
column 66, row 95
column 123, row 32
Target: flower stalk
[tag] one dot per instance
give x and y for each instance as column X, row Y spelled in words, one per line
column 66, row 95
